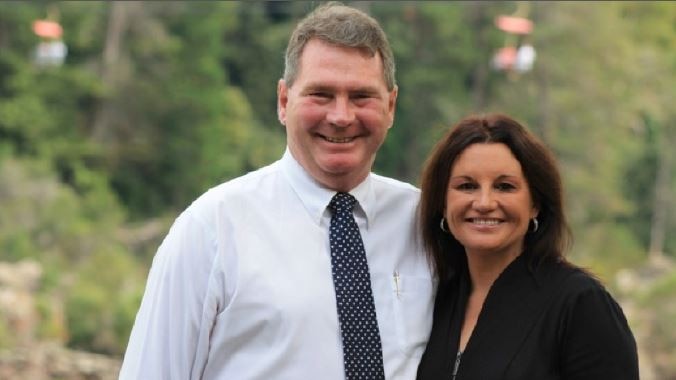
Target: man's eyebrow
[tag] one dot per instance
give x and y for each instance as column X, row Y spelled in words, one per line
column 329, row 88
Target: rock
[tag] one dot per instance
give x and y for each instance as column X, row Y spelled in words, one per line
column 46, row 361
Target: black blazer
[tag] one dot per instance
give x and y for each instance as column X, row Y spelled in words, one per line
column 555, row 323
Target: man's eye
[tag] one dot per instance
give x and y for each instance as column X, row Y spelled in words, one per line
column 361, row 96
column 320, row 94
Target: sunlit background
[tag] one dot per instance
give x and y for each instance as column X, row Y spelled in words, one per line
column 114, row 116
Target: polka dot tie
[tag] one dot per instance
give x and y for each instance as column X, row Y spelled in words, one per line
column 362, row 350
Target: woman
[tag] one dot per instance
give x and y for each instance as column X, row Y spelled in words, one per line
column 509, row 306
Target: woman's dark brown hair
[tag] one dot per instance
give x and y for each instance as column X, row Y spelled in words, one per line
column 553, row 236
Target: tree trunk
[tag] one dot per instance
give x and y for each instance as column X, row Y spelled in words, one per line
column 658, row 227
column 117, row 24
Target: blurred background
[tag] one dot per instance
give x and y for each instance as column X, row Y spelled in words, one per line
column 114, row 116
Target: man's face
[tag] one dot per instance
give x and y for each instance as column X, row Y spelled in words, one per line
column 337, row 113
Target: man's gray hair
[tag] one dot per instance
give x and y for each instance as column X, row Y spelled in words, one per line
column 340, row 25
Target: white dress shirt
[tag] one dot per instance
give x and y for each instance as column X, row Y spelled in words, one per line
column 241, row 287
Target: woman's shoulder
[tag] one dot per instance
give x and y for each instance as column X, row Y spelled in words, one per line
column 582, row 280
column 579, row 287
column 569, row 279
column 594, row 330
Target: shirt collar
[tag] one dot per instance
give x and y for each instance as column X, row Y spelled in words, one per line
column 316, row 197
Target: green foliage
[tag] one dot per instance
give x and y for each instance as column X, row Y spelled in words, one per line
column 101, row 303
column 257, row 68
column 642, row 170
column 438, row 70
column 605, row 249
column 87, row 315
column 51, row 326
column 659, row 322
column 660, row 290
column 6, row 338
column 69, row 233
column 182, row 122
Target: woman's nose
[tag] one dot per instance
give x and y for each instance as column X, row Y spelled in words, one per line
column 484, row 200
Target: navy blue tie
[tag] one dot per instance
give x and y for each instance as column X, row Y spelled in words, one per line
column 362, row 350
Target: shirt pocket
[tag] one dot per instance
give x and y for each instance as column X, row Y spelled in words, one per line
column 413, row 304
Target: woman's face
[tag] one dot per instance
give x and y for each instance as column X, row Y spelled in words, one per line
column 488, row 202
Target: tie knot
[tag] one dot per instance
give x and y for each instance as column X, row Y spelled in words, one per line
column 342, row 202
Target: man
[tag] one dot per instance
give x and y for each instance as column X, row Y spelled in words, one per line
column 257, row 280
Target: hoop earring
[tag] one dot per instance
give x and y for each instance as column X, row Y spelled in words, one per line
column 536, row 225
column 441, row 224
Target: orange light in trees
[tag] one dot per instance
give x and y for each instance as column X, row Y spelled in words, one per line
column 47, row 29
column 514, row 25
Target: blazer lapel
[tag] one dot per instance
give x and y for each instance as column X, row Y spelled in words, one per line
column 515, row 302
column 448, row 316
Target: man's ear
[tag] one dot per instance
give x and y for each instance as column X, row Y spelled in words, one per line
column 282, row 98
column 392, row 104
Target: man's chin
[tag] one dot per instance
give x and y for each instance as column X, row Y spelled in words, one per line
column 341, row 167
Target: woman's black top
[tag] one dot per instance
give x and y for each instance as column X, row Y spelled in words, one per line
column 555, row 322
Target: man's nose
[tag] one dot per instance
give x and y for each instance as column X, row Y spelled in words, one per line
column 341, row 113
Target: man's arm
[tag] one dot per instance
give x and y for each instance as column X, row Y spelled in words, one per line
column 170, row 336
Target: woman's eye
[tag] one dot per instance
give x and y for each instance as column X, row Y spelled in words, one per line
column 505, row 186
column 466, row 186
